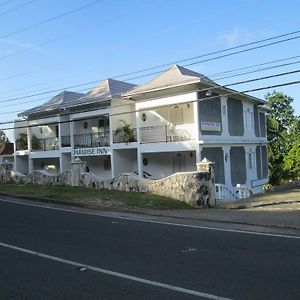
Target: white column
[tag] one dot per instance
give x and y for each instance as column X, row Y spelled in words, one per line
column 197, row 131
column 111, row 136
column 61, row 164
column 225, row 131
column 227, row 167
column 112, row 162
column 138, row 139
column 30, row 165
column 59, row 132
column 29, row 147
column 72, row 137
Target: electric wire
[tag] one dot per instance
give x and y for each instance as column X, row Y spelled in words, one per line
column 166, row 105
column 16, row 8
column 226, row 85
column 6, row 2
column 205, row 89
column 67, row 13
column 33, row 47
column 157, row 72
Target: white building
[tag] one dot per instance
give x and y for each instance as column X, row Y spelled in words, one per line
column 154, row 130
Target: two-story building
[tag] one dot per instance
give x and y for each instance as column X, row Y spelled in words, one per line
column 153, row 130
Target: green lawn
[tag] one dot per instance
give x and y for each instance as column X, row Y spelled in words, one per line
column 91, row 197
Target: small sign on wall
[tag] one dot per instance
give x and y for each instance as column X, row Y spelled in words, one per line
column 210, row 126
column 91, row 151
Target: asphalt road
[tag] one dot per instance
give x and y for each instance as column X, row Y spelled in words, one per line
column 58, row 254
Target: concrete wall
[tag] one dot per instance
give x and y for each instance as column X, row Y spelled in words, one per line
column 64, row 126
column 50, row 165
column 66, row 162
column 125, row 161
column 97, row 164
column 90, row 125
column 123, row 110
column 160, row 165
column 195, row 188
column 21, row 164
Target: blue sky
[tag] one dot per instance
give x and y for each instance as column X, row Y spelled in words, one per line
column 114, row 37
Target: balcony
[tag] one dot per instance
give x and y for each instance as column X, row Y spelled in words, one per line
column 45, row 144
column 122, row 136
column 91, row 140
column 167, row 133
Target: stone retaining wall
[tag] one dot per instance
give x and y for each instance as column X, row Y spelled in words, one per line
column 194, row 188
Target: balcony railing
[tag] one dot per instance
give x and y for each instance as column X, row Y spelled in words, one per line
column 65, row 141
column 90, row 140
column 45, row 144
column 167, row 133
column 124, row 136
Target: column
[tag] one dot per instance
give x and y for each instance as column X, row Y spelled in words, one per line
column 225, row 131
column 138, row 139
column 72, row 137
column 227, row 166
column 197, row 131
column 30, row 165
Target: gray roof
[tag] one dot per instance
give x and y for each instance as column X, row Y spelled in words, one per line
column 106, row 90
column 178, row 76
column 174, row 76
column 61, row 100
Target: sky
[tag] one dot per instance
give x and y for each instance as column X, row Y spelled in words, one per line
column 51, row 45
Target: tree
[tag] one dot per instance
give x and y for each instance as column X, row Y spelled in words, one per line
column 3, row 138
column 283, row 130
column 125, row 132
column 292, row 160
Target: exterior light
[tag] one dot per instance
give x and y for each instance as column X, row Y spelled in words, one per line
column 144, row 117
column 208, row 93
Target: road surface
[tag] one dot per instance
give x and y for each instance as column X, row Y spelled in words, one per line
column 57, row 253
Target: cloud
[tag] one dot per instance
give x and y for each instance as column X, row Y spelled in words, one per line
column 235, row 35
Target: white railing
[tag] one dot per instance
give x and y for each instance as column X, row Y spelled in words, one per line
column 225, row 193
column 167, row 133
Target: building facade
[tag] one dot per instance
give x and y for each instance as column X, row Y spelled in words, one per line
column 153, row 130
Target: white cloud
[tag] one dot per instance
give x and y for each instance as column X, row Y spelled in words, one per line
column 236, row 35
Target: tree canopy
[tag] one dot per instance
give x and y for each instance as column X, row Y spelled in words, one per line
column 3, row 138
column 283, row 137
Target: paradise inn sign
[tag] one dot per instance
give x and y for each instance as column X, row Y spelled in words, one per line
column 91, row 151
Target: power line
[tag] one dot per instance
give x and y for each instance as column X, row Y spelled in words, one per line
column 157, row 72
column 253, row 66
column 210, row 76
column 230, row 76
column 17, row 8
column 50, row 19
column 205, row 89
column 166, row 105
column 6, row 2
column 262, row 69
column 33, row 47
column 209, row 54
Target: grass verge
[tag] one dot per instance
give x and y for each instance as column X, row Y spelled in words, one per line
column 91, row 197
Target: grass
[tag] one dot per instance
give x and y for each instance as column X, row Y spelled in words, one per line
column 91, row 197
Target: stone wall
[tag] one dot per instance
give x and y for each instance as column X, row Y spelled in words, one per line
column 194, row 188
column 190, row 187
